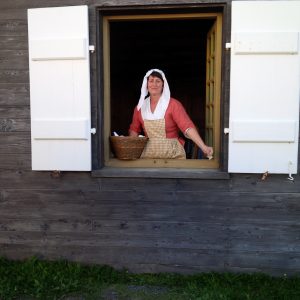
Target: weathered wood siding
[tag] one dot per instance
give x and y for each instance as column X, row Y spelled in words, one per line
column 146, row 225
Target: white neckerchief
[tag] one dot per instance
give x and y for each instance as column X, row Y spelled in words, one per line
column 159, row 112
column 163, row 102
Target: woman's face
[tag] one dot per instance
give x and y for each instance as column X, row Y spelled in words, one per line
column 155, row 86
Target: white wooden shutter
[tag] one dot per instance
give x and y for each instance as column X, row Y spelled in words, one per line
column 264, row 88
column 60, row 88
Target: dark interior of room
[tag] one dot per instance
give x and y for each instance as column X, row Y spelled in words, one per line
column 178, row 47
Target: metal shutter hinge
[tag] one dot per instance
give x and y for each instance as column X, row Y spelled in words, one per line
column 227, row 46
column 92, row 48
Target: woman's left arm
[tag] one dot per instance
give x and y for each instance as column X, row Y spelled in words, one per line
column 186, row 125
column 193, row 134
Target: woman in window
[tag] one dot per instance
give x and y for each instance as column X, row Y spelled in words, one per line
column 161, row 117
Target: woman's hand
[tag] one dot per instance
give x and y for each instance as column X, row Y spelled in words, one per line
column 208, row 151
column 133, row 133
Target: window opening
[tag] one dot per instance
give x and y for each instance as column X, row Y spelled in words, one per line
column 185, row 49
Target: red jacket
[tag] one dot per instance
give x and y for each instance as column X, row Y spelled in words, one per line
column 176, row 119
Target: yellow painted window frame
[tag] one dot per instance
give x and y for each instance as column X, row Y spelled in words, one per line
column 164, row 163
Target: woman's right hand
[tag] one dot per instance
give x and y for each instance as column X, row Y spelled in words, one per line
column 133, row 133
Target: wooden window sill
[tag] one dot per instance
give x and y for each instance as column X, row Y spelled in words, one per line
column 160, row 173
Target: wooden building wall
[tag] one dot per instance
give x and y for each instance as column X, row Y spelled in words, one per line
column 239, row 223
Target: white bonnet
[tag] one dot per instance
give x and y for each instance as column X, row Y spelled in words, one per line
column 165, row 97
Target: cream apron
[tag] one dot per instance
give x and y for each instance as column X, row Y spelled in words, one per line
column 158, row 145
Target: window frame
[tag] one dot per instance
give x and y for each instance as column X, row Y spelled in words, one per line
column 159, row 166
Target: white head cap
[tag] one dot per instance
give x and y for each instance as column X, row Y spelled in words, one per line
column 165, row 96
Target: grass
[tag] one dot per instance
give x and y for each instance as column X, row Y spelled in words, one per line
column 36, row 279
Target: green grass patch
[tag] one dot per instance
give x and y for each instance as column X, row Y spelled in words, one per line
column 37, row 279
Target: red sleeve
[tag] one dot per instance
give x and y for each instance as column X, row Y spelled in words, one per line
column 136, row 124
column 180, row 116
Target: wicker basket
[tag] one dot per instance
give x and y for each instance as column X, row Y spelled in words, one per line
column 128, row 147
